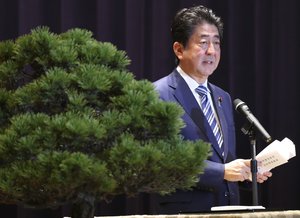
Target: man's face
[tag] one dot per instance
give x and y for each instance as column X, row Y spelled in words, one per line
column 201, row 55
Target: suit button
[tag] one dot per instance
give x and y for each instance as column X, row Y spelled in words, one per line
column 227, row 194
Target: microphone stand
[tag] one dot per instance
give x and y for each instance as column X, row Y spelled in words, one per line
column 248, row 129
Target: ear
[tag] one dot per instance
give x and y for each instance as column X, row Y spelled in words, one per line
column 178, row 50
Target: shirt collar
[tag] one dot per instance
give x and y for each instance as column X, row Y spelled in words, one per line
column 193, row 84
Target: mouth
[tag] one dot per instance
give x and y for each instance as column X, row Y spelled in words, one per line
column 208, row 62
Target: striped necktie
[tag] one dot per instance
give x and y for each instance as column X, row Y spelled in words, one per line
column 209, row 114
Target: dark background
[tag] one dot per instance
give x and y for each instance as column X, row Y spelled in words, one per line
column 259, row 64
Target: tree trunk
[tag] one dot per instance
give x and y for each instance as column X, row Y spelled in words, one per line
column 84, row 207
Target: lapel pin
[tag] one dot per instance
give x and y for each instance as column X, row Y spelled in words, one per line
column 220, row 101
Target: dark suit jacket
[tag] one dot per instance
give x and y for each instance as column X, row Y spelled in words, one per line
column 212, row 189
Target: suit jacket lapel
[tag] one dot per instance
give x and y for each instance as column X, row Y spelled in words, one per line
column 217, row 100
column 187, row 100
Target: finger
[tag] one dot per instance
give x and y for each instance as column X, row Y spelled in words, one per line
column 247, row 163
column 261, row 178
column 260, row 181
column 245, row 176
column 268, row 174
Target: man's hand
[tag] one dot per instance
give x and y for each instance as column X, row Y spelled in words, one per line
column 262, row 177
column 238, row 170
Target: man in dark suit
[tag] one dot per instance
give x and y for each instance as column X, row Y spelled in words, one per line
column 197, row 33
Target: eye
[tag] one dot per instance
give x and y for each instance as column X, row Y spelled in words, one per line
column 203, row 44
column 217, row 45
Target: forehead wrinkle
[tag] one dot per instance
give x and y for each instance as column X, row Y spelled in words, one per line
column 209, row 36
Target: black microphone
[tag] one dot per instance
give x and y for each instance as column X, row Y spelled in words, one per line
column 242, row 108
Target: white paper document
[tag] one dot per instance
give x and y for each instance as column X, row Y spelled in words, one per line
column 275, row 154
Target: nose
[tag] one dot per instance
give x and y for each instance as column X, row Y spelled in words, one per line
column 211, row 48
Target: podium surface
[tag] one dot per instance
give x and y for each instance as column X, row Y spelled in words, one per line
column 241, row 214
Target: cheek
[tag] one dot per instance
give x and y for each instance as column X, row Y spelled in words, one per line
column 218, row 57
